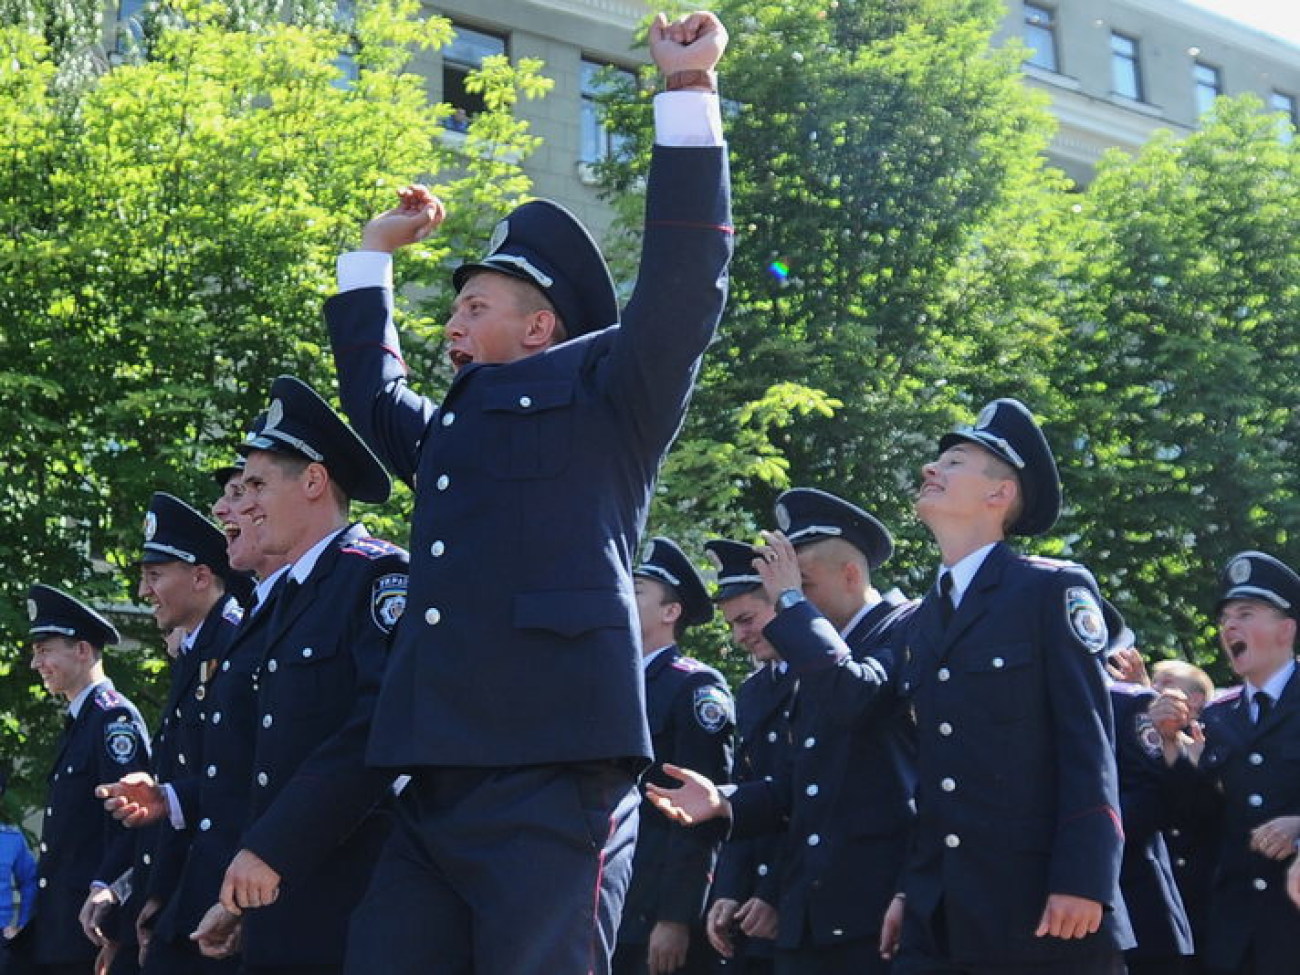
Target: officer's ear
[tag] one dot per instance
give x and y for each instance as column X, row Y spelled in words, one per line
column 542, row 330
column 672, row 611
column 315, row 480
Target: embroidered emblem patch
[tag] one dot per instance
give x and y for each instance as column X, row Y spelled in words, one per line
column 121, row 740
column 388, row 600
column 1085, row 619
column 1148, row 736
column 712, row 708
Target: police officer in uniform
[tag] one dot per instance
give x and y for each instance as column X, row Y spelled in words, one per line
column 103, row 738
column 1018, row 844
column 1243, row 774
column 846, row 804
column 691, row 717
column 184, row 576
column 742, row 918
column 1147, row 880
column 316, row 817
column 515, row 696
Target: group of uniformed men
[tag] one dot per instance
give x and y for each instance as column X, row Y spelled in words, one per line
column 944, row 785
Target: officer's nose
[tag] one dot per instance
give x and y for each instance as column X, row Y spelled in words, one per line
column 142, row 590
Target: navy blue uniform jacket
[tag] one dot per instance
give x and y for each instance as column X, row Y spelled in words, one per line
column 1248, row 775
column 1017, row 792
column 314, row 806
column 848, row 798
column 532, row 480
column 1146, row 877
column 749, row 867
column 79, row 841
column 691, row 717
column 212, row 735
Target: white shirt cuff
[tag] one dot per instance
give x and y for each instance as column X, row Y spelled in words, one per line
column 174, row 812
column 687, row 118
column 365, row 269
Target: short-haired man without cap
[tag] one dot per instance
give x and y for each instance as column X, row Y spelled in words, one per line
column 514, row 694
column 103, row 737
column 691, row 716
column 184, row 578
column 1240, row 772
column 742, row 919
column 1018, row 843
column 845, row 801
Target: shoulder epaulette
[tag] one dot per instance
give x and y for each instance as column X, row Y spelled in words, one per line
column 372, row 548
column 688, row 665
column 106, row 699
column 233, row 613
column 1046, row 563
column 1226, row 696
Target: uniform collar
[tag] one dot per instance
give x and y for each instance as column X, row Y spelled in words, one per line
column 192, row 637
column 74, row 709
column 1274, row 686
column 264, row 588
column 307, row 561
column 650, row 658
column 873, row 600
column 963, row 572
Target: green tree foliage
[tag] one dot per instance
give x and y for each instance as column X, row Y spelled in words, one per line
column 1185, row 381
column 168, row 229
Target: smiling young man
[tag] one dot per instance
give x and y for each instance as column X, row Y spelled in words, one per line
column 1241, row 773
column 514, row 695
column 103, row 737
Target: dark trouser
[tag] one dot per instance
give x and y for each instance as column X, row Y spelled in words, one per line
column 1176, row 965
column 293, row 970
column 858, row 957
column 516, row 871
column 167, row 957
column 630, row 959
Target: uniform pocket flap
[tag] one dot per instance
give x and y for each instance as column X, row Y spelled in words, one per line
column 525, row 398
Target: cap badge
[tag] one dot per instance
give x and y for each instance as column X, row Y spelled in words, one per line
column 31, row 610
column 499, row 234
column 150, row 525
column 713, row 558
column 274, row 414
column 782, row 517
column 1239, row 570
column 986, row 416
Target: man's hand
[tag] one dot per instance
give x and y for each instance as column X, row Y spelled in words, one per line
column 104, row 959
column 891, row 928
column 692, row 43
column 666, row 952
column 134, row 799
column 1127, row 665
column 757, row 918
column 1067, row 916
column 718, row 924
column 249, row 883
column 219, row 933
column 778, row 565
column 1276, row 838
column 94, row 912
column 697, row 800
column 1180, row 735
column 418, row 213
column 11, row 931
column 144, row 925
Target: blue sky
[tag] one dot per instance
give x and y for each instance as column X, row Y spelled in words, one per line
column 1280, row 17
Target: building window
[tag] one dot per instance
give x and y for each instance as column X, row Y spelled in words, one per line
column 1285, row 105
column 464, row 54
column 1208, row 86
column 597, row 142
column 1125, row 68
column 1040, row 35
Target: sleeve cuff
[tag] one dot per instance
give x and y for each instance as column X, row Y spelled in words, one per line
column 365, row 269
column 688, row 118
column 175, row 815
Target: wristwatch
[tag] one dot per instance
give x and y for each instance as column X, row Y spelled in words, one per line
column 788, row 598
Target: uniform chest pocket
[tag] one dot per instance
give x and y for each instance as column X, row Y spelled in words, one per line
column 1002, row 680
column 314, row 679
column 528, row 429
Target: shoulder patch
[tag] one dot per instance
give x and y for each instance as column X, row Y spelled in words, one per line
column 1083, row 615
column 687, row 665
column 106, row 699
column 1046, row 563
column 1148, row 736
column 712, row 707
column 121, row 740
column 388, row 600
column 233, row 613
column 372, row 548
